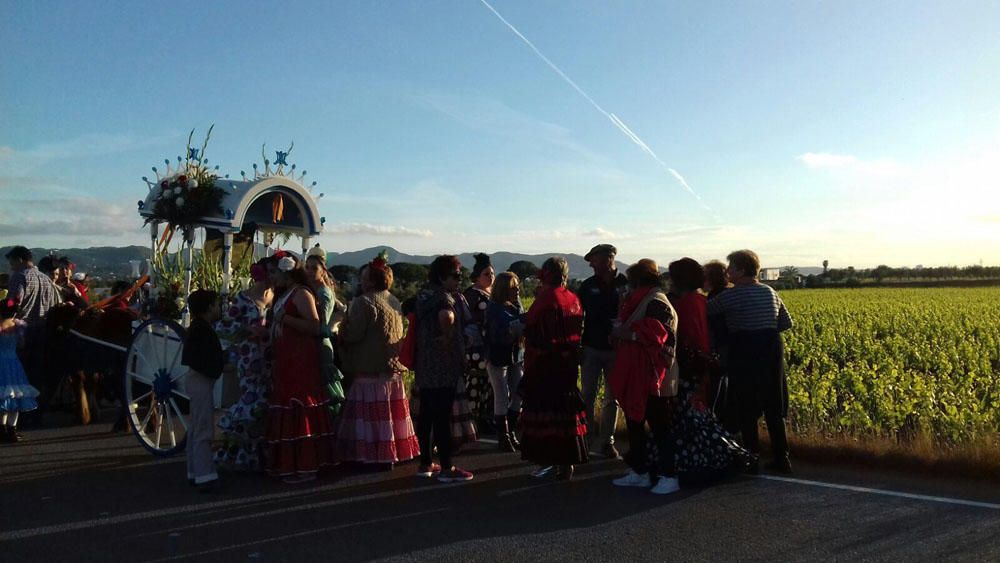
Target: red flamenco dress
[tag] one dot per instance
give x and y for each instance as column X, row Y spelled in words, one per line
column 553, row 421
column 300, row 435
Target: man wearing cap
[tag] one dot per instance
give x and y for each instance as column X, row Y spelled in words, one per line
column 35, row 295
column 599, row 296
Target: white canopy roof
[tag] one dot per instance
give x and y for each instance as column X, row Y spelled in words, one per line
column 250, row 201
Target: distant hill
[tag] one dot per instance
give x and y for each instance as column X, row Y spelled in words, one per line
column 98, row 261
column 113, row 262
column 578, row 267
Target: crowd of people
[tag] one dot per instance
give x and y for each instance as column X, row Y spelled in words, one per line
column 692, row 358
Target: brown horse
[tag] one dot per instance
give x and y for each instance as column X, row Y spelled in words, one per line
column 86, row 349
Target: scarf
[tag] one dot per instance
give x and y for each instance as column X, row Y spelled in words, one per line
column 640, row 367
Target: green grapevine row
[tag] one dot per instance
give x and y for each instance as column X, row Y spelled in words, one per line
column 895, row 362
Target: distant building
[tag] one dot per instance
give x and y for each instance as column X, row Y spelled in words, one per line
column 770, row 274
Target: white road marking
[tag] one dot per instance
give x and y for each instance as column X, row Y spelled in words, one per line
column 177, row 510
column 883, row 492
column 283, row 537
column 309, row 506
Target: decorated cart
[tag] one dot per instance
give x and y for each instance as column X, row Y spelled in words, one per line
column 188, row 200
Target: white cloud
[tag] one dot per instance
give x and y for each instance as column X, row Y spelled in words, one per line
column 936, row 209
column 600, row 233
column 826, row 160
column 391, row 231
column 55, row 218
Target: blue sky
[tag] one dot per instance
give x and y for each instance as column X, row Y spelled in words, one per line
column 858, row 132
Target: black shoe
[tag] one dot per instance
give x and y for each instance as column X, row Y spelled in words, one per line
column 781, row 464
column 11, row 435
column 504, row 443
column 512, row 428
column 5, row 435
column 610, row 451
column 564, row 473
column 753, row 465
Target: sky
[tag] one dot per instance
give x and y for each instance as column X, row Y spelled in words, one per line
column 857, row 132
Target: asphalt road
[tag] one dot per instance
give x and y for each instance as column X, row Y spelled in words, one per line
column 83, row 494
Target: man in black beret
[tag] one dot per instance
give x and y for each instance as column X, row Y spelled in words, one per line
column 599, row 296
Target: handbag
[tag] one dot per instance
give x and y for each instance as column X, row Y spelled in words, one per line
column 408, row 347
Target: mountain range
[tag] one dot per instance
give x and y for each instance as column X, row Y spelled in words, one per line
column 578, row 267
column 111, row 261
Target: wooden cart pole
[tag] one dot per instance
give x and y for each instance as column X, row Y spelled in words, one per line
column 189, row 242
column 227, row 264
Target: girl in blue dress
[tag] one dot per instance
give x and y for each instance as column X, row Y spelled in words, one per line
column 16, row 394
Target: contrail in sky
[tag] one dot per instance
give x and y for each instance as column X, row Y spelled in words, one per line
column 611, row 117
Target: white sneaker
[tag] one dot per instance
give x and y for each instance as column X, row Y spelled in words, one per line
column 665, row 486
column 632, row 479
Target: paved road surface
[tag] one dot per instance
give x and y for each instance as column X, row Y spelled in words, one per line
column 83, row 494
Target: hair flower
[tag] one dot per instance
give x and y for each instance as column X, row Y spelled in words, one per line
column 286, row 264
column 380, row 262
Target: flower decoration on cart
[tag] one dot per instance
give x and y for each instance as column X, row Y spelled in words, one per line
column 185, row 193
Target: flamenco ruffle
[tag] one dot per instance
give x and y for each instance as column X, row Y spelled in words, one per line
column 375, row 426
column 18, row 398
column 553, row 431
column 299, row 439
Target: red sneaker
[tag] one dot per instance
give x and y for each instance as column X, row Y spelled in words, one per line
column 428, row 470
column 454, row 475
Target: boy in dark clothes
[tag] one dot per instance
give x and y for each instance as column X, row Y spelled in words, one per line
column 204, row 356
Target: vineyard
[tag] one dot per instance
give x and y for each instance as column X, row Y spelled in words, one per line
column 895, row 363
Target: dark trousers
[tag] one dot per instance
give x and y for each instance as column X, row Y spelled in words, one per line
column 749, row 419
column 658, row 418
column 32, row 357
column 434, row 421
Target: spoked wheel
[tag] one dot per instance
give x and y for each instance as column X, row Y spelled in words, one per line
column 158, row 403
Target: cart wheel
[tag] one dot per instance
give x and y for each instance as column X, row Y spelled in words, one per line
column 154, row 387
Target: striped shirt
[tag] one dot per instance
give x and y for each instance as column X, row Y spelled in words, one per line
column 35, row 293
column 751, row 307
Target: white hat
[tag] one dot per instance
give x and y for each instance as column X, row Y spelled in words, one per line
column 317, row 252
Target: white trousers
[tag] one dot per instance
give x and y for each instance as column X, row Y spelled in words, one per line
column 201, row 428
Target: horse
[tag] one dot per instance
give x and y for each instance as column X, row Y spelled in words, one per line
column 86, row 347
